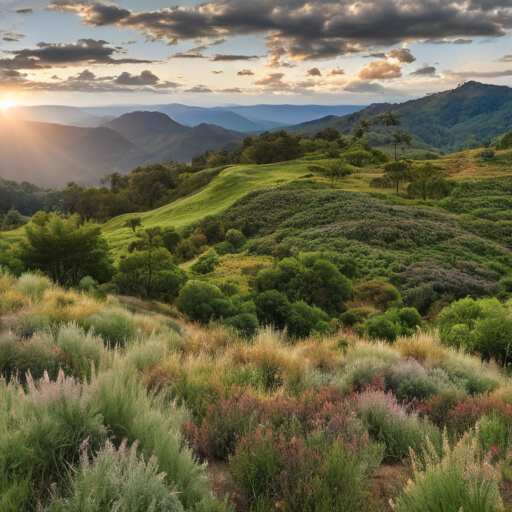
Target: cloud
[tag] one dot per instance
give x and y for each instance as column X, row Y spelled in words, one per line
column 245, row 72
column 337, row 72
column 472, row 75
column 145, row 78
column 83, row 52
column 188, row 56
column 365, row 87
column 424, row 71
column 380, row 70
column 199, row 89
column 308, row 29
column 217, row 72
column 403, row 55
column 28, row 10
column 272, row 79
column 378, row 55
column 231, row 58
column 203, row 47
column 234, row 90
column 505, row 58
column 87, row 82
column 314, row 72
column 447, row 41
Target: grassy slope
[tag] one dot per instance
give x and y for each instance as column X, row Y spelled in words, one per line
column 232, row 184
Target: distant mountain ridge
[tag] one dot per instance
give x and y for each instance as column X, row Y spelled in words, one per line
column 51, row 155
column 445, row 120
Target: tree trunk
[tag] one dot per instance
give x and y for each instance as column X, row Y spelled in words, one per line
column 424, row 190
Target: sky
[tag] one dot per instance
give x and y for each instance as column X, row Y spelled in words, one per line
column 94, row 52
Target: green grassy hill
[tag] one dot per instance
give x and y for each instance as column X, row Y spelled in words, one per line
column 231, row 184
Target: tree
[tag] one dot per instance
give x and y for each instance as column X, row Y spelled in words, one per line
column 362, row 127
column 329, row 134
column 66, row 250
column 133, row 223
column 336, row 169
column 399, row 137
column 423, row 175
column 390, row 120
column 396, row 172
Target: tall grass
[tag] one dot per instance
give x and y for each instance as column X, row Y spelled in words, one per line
column 458, row 480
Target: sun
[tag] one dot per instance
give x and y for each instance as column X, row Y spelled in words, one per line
column 5, row 104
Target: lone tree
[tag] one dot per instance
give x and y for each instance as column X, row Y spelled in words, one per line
column 423, row 175
column 337, row 169
column 133, row 223
column 399, row 137
column 396, row 172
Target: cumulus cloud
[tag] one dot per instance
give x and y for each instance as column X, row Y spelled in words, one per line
column 365, row 87
column 308, row 29
column 337, row 72
column 380, row 70
column 272, row 79
column 424, row 71
column 217, row 72
column 314, row 72
column 245, row 72
column 403, row 55
column 83, row 52
column 188, row 56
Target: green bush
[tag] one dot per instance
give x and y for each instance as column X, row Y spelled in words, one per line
column 304, row 319
column 206, row 263
column 236, row 238
column 273, row 308
column 118, row 480
column 203, row 302
column 483, row 326
column 245, row 323
column 87, row 284
column 381, row 327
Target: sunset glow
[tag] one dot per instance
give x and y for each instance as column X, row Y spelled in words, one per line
column 5, row 104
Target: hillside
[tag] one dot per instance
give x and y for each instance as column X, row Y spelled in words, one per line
column 51, row 155
column 165, row 138
column 444, row 121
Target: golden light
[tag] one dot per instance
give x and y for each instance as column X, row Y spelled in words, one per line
column 5, row 104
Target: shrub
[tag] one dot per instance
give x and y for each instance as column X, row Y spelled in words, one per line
column 118, row 480
column 387, row 422
column 87, row 284
column 203, row 302
column 245, row 323
column 356, row 316
column 115, row 326
column 273, row 308
column 81, row 351
column 206, row 262
column 457, row 480
column 381, row 327
column 380, row 294
column 235, row 238
column 33, row 286
column 303, row 320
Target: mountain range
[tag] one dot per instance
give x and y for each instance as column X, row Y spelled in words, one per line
column 51, row 155
column 471, row 113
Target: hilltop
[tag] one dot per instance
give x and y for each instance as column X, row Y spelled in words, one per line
column 472, row 113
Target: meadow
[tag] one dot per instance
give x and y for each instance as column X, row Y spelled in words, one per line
column 120, row 404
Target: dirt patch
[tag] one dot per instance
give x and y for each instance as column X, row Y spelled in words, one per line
column 219, row 478
column 385, row 482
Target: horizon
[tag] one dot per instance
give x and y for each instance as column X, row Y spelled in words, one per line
column 86, row 53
